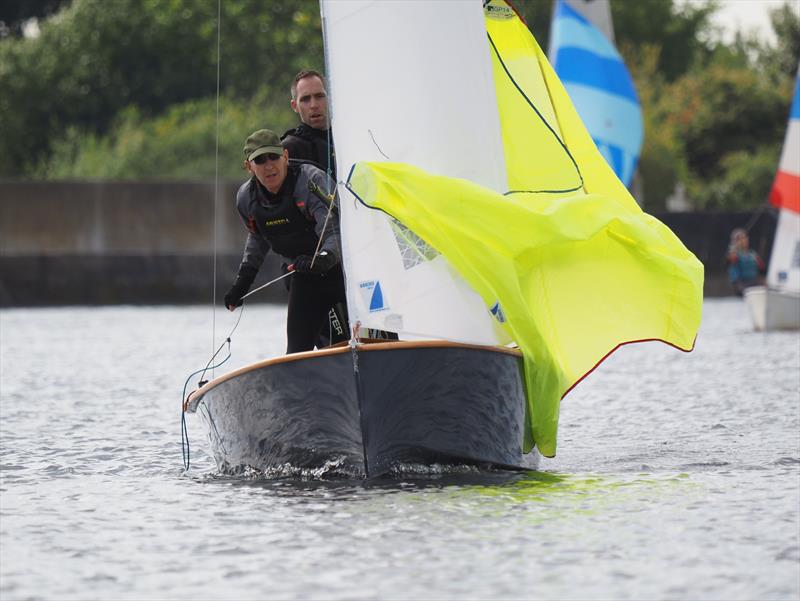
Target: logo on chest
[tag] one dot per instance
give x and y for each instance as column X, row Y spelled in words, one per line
column 276, row 222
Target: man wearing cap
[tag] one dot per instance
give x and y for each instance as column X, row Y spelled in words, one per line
column 281, row 213
column 312, row 140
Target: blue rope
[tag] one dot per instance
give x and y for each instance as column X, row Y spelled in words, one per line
column 184, row 431
column 200, row 383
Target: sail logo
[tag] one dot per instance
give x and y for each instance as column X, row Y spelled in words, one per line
column 497, row 312
column 499, row 10
column 372, row 294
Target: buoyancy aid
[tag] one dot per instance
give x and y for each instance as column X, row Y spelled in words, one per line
column 279, row 219
column 305, row 142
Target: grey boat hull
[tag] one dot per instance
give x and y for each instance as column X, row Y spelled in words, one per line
column 369, row 408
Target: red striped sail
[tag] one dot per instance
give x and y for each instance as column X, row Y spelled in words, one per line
column 785, row 192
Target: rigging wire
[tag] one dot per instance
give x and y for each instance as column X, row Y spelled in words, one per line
column 215, row 198
column 216, row 187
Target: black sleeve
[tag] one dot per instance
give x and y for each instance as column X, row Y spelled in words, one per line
column 300, row 149
column 256, row 247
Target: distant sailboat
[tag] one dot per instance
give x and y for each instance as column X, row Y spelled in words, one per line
column 584, row 57
column 776, row 306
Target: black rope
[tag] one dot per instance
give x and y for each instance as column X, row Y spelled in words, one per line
column 376, row 145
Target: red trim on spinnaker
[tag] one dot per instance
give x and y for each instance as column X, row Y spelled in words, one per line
column 609, row 353
column 786, row 191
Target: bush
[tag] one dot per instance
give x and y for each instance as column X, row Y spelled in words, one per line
column 180, row 144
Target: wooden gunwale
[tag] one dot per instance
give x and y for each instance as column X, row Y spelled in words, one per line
column 341, row 349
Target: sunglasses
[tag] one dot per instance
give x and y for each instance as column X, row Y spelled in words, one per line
column 263, row 158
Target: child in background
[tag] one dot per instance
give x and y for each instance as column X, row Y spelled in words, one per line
column 745, row 267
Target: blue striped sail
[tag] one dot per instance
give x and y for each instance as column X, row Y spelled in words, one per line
column 600, row 87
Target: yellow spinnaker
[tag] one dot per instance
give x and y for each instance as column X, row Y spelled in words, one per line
column 577, row 267
column 574, row 279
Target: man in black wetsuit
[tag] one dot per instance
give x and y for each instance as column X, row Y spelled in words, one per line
column 281, row 213
column 312, row 140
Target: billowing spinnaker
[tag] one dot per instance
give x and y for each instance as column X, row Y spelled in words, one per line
column 536, row 159
column 529, row 91
column 574, row 278
column 411, row 81
column 568, row 262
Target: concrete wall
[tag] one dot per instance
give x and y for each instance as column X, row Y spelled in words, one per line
column 120, row 242
column 153, row 242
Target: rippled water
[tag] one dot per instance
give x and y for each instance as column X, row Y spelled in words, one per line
column 678, row 476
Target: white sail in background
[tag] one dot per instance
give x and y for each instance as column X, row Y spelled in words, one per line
column 784, row 264
column 777, row 306
column 432, row 105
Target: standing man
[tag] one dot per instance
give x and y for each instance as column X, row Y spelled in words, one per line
column 312, row 140
column 282, row 214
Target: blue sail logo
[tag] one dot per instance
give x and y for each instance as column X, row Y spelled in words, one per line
column 372, row 294
column 497, row 311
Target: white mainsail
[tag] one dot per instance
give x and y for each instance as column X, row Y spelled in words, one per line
column 433, row 105
column 777, row 306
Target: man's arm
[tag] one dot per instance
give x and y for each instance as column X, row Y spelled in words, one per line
column 256, row 248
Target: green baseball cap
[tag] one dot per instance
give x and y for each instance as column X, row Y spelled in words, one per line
column 261, row 142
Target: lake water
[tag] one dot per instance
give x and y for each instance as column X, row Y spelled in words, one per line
column 677, row 477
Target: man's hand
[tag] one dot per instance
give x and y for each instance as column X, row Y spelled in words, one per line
column 324, row 261
column 234, row 296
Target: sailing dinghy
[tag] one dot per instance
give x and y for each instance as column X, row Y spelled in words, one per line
column 481, row 224
column 776, row 306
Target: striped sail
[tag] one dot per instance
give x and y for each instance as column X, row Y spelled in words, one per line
column 597, row 81
column 784, row 265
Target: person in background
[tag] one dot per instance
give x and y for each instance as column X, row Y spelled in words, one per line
column 282, row 214
column 312, row 140
column 745, row 267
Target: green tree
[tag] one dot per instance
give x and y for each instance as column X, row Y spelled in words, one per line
column 682, row 32
column 97, row 57
column 783, row 57
column 15, row 13
column 728, row 121
column 180, row 143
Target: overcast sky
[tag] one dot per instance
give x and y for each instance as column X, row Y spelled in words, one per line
column 748, row 15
